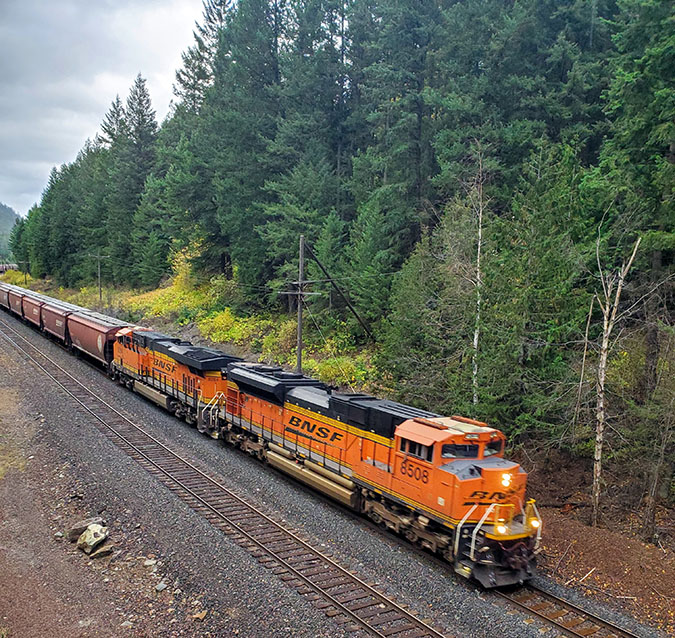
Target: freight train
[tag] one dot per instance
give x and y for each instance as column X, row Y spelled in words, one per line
column 442, row 482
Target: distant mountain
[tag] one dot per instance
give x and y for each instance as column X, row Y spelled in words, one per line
column 7, row 218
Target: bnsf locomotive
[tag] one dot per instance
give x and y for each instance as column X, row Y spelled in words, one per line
column 442, row 482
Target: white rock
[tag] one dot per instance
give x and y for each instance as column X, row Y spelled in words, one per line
column 93, row 536
column 78, row 529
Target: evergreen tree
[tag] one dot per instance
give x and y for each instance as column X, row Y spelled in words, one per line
column 197, row 73
column 132, row 157
column 242, row 108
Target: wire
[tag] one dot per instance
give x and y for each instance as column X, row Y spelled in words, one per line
column 337, row 362
column 382, row 274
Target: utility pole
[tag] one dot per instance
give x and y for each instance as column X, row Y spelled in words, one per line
column 98, row 257
column 300, row 294
column 301, row 277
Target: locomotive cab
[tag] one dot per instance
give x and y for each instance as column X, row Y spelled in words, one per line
column 455, row 467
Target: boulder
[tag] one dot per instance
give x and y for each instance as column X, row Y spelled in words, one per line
column 102, row 550
column 93, row 536
column 78, row 528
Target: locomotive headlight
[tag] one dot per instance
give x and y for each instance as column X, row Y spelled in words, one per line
column 502, row 529
column 506, row 480
column 535, row 523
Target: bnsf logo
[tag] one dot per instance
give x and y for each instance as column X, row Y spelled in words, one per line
column 319, row 430
column 164, row 365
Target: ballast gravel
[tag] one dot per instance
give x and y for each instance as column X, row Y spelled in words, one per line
column 259, row 603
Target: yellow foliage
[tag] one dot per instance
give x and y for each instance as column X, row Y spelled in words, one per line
column 16, row 278
column 225, row 326
column 171, row 302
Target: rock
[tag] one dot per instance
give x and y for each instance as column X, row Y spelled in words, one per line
column 150, row 562
column 161, row 586
column 103, row 550
column 126, row 624
column 200, row 616
column 78, row 529
column 58, row 535
column 93, row 536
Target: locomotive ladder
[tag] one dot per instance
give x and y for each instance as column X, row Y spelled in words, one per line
column 342, row 595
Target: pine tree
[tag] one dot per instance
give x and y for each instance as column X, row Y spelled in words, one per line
column 197, row 73
column 242, row 109
column 132, row 157
column 114, row 123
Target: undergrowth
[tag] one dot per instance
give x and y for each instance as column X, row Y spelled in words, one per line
column 329, row 351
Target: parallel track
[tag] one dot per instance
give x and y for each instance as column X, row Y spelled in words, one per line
column 341, row 594
column 566, row 617
column 345, row 597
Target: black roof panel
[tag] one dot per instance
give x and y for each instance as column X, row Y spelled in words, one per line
column 271, row 381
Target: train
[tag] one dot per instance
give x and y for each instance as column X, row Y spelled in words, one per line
column 441, row 482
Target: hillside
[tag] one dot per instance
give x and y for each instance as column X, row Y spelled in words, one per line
column 490, row 184
column 7, row 218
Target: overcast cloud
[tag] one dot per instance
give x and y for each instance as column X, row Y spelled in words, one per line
column 61, row 66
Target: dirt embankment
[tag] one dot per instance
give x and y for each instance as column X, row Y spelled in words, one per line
column 609, row 562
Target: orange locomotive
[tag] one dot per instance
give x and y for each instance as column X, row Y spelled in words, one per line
column 440, row 481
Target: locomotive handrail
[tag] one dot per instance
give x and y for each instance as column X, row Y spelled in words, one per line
column 217, row 396
column 477, row 528
column 459, row 527
column 532, row 504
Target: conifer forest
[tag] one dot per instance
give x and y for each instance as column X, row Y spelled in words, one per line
column 490, row 182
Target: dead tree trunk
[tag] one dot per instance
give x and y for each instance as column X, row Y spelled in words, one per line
column 479, row 207
column 612, row 286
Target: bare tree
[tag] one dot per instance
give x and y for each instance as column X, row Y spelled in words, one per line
column 479, row 205
column 612, row 285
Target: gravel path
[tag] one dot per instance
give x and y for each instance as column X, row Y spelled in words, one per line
column 236, row 581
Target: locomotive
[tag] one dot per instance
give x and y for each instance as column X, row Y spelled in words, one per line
column 442, row 482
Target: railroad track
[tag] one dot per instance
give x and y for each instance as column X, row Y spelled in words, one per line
column 339, row 593
column 566, row 617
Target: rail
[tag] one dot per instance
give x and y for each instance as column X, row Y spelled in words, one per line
column 565, row 616
column 346, row 597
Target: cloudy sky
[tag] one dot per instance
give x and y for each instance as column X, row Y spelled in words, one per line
column 62, row 64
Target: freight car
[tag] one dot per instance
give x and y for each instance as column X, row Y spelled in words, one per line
column 441, row 482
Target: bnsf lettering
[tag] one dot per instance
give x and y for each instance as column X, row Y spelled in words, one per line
column 500, row 496
column 321, row 431
column 164, row 365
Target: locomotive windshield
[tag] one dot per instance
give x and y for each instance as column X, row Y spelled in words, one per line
column 459, row 451
column 493, row 447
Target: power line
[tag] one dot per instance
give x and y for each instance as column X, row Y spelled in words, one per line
column 337, row 362
column 339, row 291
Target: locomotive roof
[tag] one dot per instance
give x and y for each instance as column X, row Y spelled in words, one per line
column 380, row 416
column 196, row 357
column 313, row 397
column 202, row 359
column 270, row 381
